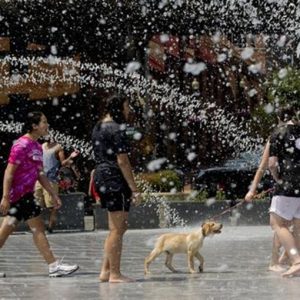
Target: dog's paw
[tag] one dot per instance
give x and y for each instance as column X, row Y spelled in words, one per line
column 193, row 271
column 200, row 269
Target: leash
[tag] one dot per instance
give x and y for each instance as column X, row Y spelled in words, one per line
column 263, row 193
column 227, row 210
column 257, row 196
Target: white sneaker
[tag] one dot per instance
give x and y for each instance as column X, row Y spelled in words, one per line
column 58, row 269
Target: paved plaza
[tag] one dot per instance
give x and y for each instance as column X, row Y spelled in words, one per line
column 235, row 268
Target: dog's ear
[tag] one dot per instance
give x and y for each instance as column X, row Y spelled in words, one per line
column 205, row 229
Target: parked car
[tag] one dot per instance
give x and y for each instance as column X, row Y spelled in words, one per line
column 233, row 178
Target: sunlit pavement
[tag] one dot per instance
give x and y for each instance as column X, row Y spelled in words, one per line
column 236, row 264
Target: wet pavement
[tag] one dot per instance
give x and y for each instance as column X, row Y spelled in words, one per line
column 235, row 268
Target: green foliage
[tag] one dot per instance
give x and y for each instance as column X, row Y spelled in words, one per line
column 220, row 195
column 198, row 196
column 263, row 122
column 163, row 181
column 282, row 89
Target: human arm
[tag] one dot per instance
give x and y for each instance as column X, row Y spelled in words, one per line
column 126, row 169
column 62, row 158
column 76, row 172
column 122, row 149
column 42, row 178
column 91, row 182
column 259, row 173
column 7, row 182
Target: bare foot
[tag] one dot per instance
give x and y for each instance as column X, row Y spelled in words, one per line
column 293, row 270
column 104, row 276
column 277, row 268
column 121, row 279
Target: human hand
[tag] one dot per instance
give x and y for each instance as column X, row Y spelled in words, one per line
column 4, row 205
column 74, row 153
column 249, row 196
column 56, row 201
column 136, row 198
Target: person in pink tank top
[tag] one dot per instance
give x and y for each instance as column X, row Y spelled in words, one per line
column 27, row 155
column 24, row 169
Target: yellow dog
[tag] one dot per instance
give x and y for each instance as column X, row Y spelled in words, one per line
column 189, row 243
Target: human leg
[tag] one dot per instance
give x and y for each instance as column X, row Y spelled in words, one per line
column 280, row 226
column 37, row 227
column 113, row 246
column 39, row 194
column 275, row 250
column 104, row 272
column 18, row 211
column 275, row 264
column 284, row 259
column 296, row 232
column 295, row 267
column 42, row 197
column 49, row 204
column 118, row 205
column 7, row 228
column 8, row 225
column 52, row 219
column 56, row 267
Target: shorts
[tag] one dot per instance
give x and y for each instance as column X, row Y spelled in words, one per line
column 116, row 201
column 26, row 208
column 44, row 198
column 287, row 208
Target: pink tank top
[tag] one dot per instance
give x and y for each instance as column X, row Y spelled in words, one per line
column 28, row 155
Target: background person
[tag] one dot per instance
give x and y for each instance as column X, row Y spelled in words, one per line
column 24, row 168
column 69, row 175
column 53, row 159
column 92, row 188
column 114, row 181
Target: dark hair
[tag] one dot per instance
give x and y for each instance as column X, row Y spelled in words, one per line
column 114, row 106
column 32, row 118
column 286, row 113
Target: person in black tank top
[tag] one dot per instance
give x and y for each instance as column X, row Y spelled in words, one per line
column 284, row 164
column 114, row 181
column 277, row 258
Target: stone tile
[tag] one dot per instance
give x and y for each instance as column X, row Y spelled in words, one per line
column 236, row 264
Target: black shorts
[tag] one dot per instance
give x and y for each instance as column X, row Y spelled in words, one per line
column 26, row 208
column 116, row 201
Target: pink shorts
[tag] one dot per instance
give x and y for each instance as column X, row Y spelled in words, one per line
column 287, row 208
